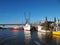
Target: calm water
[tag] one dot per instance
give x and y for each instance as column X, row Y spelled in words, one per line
column 20, row 37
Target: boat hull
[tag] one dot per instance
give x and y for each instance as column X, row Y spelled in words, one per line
column 27, row 27
column 44, row 31
column 56, row 33
column 17, row 28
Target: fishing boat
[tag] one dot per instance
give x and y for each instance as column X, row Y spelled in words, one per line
column 44, row 26
column 27, row 25
column 40, row 29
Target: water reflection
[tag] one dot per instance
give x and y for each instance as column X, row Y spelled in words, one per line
column 18, row 36
column 27, row 38
column 11, row 37
column 22, row 37
column 34, row 36
column 56, row 40
column 45, row 38
column 15, row 32
column 40, row 36
column 48, row 39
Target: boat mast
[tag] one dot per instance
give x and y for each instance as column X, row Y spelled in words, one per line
column 27, row 19
column 58, row 22
column 55, row 25
column 25, row 16
column 46, row 24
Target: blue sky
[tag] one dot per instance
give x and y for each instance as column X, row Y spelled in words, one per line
column 12, row 11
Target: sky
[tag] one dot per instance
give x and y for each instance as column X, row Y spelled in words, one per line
column 12, row 11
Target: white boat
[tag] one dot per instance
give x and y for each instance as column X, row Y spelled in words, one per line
column 42, row 30
column 27, row 27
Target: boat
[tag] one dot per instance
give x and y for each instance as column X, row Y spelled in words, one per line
column 40, row 29
column 27, row 27
column 44, row 26
column 16, row 28
column 56, row 32
column 3, row 28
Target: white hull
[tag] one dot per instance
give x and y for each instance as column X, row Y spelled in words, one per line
column 43, row 31
column 27, row 27
column 40, row 29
